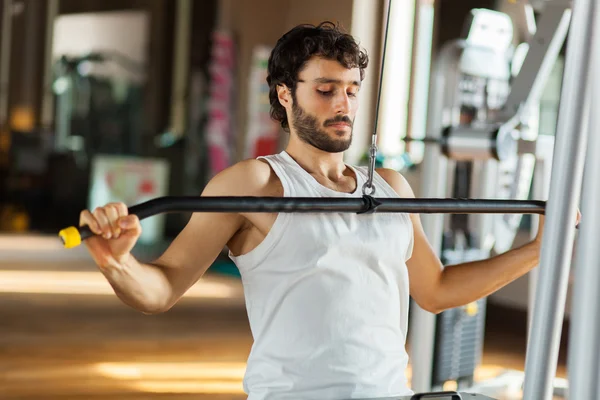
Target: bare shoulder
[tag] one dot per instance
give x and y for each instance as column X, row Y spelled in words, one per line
column 249, row 177
column 397, row 181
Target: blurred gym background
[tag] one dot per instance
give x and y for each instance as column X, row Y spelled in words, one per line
column 127, row 100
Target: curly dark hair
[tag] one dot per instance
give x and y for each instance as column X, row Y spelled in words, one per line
column 297, row 46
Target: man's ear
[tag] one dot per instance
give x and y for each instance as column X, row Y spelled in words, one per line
column 285, row 96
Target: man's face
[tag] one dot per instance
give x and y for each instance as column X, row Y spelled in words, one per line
column 325, row 104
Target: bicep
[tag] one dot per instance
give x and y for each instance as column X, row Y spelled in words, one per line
column 198, row 245
column 424, row 266
column 195, row 249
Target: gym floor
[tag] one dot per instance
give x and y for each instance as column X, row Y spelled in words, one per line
column 65, row 336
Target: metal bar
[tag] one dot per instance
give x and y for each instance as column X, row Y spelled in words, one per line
column 541, row 186
column 5, row 53
column 544, row 48
column 64, row 108
column 365, row 204
column 47, row 113
column 557, row 243
column 425, row 11
column 180, row 77
column 334, row 204
column 583, row 362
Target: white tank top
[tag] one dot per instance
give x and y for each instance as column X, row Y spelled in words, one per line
column 327, row 296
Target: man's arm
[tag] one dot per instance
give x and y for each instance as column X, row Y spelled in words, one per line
column 155, row 287
column 436, row 288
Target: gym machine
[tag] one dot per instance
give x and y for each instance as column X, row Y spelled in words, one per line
column 482, row 142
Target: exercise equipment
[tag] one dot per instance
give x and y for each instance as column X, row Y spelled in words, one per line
column 576, row 122
column 471, row 143
column 481, row 88
column 446, row 395
column 73, row 236
column 90, row 118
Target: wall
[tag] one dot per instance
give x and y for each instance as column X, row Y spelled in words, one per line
column 262, row 22
column 253, row 22
column 316, row 11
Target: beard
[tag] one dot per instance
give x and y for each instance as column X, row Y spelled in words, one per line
column 308, row 130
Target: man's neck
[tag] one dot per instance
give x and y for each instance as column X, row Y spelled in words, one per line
column 317, row 162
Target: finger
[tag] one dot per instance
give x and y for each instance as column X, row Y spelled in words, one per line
column 122, row 208
column 131, row 225
column 86, row 218
column 102, row 218
column 123, row 212
column 113, row 212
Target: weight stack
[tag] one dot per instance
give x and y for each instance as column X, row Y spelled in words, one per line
column 458, row 344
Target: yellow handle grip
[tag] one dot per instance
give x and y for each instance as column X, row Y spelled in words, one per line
column 70, row 237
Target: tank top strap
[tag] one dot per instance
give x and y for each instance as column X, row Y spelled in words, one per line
column 278, row 164
column 300, row 183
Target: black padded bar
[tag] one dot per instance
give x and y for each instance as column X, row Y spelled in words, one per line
column 334, row 204
column 365, row 204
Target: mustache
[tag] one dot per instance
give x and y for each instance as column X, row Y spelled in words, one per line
column 344, row 119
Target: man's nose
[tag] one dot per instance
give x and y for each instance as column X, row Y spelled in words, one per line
column 343, row 104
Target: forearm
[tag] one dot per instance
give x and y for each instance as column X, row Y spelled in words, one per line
column 467, row 282
column 144, row 287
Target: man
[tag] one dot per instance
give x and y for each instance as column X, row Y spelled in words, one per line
column 327, row 294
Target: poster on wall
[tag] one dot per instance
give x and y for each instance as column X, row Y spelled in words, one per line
column 262, row 137
column 219, row 131
column 131, row 180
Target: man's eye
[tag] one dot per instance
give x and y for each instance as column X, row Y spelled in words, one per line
column 325, row 93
